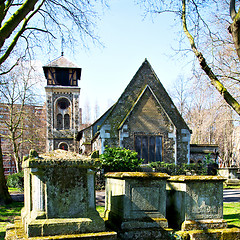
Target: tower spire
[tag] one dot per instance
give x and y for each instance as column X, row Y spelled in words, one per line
column 62, row 53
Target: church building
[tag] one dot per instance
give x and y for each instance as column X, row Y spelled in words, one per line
column 62, row 99
column 143, row 119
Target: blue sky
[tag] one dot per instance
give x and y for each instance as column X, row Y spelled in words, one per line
column 128, row 39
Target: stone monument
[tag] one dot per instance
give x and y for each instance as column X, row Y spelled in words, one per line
column 195, row 202
column 60, row 196
column 136, row 204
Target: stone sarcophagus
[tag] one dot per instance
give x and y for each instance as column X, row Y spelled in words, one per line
column 135, row 204
column 195, row 202
column 60, row 195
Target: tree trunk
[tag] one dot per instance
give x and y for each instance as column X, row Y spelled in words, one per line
column 213, row 78
column 234, row 28
column 5, row 197
column 16, row 157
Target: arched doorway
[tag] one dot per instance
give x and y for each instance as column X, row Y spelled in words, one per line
column 63, row 146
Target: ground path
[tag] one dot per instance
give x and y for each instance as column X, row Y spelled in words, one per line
column 229, row 195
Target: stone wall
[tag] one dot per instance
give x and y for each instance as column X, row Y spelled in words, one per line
column 54, row 135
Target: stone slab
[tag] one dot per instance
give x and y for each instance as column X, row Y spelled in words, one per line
column 211, row 234
column 194, row 199
column 150, row 234
column 204, row 224
column 48, row 227
column 16, row 231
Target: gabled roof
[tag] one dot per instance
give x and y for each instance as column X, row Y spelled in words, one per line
column 145, row 76
column 61, row 62
column 138, row 99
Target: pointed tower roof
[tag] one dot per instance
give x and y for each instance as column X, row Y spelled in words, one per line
column 61, row 62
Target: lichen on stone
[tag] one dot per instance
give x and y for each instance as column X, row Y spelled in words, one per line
column 149, row 175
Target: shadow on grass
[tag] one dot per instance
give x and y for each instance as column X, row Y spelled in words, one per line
column 232, row 216
column 232, row 220
column 2, row 235
column 7, row 214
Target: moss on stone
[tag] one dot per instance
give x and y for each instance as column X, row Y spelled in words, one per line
column 183, row 178
column 149, row 175
column 61, row 158
column 225, row 233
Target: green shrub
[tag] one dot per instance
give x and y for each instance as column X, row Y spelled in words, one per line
column 15, row 180
column 183, row 169
column 120, row 160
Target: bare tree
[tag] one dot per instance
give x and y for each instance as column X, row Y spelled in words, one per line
column 180, row 94
column 96, row 110
column 195, row 21
column 17, row 96
column 87, row 113
column 26, row 24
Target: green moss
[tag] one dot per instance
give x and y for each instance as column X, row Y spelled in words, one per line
column 183, row 178
column 149, row 175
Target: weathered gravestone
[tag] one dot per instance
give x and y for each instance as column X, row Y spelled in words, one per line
column 60, row 196
column 195, row 202
column 231, row 174
column 136, row 204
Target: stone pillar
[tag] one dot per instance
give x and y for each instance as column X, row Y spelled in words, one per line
column 135, row 204
column 195, row 202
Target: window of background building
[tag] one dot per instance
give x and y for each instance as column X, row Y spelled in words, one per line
column 148, row 147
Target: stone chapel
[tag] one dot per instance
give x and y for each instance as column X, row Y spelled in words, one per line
column 143, row 119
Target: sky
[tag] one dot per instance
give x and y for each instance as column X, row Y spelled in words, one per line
column 128, row 38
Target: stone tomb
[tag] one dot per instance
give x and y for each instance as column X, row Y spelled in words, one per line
column 195, row 202
column 60, row 195
column 231, row 174
column 135, row 204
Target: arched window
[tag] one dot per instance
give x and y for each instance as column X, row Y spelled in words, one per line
column 63, row 103
column 59, row 121
column 63, row 146
column 66, row 121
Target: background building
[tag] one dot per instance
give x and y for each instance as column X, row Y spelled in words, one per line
column 31, row 129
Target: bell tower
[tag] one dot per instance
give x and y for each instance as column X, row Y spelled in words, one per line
column 62, row 102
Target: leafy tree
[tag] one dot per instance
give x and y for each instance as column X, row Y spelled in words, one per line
column 196, row 18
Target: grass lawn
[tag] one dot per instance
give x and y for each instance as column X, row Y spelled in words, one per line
column 231, row 212
column 231, row 187
column 7, row 214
